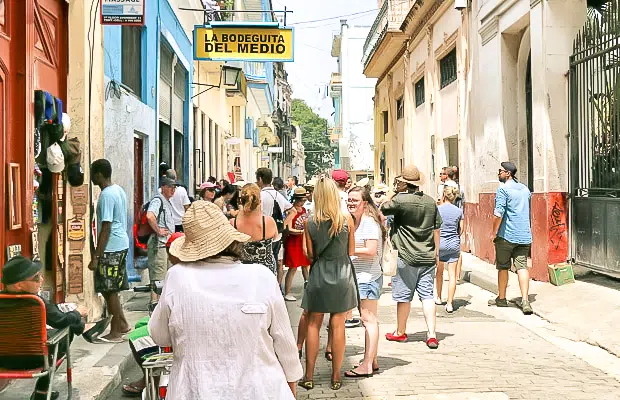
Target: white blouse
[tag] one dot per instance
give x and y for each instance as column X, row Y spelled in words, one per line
column 230, row 332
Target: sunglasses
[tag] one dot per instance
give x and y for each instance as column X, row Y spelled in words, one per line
column 211, row 190
column 500, row 171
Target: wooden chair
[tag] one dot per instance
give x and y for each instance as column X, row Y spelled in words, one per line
column 23, row 333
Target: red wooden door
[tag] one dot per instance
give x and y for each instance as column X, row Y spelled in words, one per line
column 5, row 120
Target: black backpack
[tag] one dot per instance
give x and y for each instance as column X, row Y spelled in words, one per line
column 277, row 214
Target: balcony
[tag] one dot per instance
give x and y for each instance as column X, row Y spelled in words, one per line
column 335, row 84
column 385, row 38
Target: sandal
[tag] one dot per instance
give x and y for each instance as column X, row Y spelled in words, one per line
column 352, row 374
column 132, row 390
column 449, row 308
column 432, row 343
column 360, row 363
column 306, row 384
column 336, row 385
column 300, row 354
column 329, row 356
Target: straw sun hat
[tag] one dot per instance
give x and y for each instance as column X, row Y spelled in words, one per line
column 207, row 233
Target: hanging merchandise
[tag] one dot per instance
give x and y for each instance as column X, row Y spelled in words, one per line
column 55, row 158
column 73, row 154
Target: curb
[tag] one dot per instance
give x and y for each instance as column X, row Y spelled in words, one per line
column 123, row 366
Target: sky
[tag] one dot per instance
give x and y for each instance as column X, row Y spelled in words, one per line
column 309, row 75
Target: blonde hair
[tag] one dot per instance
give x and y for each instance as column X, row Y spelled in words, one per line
column 327, row 205
column 249, row 198
column 450, row 193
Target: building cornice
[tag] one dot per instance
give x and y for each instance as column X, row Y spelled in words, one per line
column 489, row 30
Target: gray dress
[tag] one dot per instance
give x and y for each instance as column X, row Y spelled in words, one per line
column 331, row 285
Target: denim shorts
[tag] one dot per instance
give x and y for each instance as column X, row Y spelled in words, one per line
column 410, row 279
column 371, row 290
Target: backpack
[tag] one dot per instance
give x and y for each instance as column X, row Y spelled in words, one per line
column 277, row 213
column 144, row 231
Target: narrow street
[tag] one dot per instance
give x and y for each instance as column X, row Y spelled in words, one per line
column 485, row 353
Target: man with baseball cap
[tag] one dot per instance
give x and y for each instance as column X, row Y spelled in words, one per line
column 341, row 178
column 512, row 235
column 21, row 275
column 161, row 221
column 416, row 237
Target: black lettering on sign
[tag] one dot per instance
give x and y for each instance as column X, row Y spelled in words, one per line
column 209, row 47
column 224, row 37
column 243, row 47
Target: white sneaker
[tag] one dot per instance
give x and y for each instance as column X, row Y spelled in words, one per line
column 289, row 297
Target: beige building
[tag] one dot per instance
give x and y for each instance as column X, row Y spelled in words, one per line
column 472, row 84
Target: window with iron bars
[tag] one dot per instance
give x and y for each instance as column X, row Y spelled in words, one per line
column 419, row 93
column 447, row 69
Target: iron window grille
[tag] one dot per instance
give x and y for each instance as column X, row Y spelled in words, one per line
column 400, row 108
column 447, row 69
column 419, row 93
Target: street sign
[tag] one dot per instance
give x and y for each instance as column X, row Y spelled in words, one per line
column 122, row 12
column 234, row 42
column 275, row 150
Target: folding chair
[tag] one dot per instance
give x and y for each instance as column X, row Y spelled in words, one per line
column 23, row 333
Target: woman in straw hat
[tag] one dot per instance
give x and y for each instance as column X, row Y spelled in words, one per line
column 330, row 241
column 226, row 321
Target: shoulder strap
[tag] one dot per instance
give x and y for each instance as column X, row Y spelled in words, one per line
column 263, row 227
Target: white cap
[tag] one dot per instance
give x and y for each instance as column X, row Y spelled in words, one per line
column 55, row 159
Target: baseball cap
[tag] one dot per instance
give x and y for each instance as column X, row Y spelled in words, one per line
column 55, row 159
column 165, row 181
column 208, row 185
column 340, row 175
column 510, row 167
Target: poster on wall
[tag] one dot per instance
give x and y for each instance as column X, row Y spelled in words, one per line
column 122, row 12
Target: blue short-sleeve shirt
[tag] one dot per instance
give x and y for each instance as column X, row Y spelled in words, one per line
column 112, row 207
column 512, row 204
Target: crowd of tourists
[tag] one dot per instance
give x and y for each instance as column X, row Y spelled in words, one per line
column 222, row 258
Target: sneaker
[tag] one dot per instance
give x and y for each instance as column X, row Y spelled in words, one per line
column 37, row 396
column 393, row 337
column 497, row 302
column 290, row 297
column 352, row 323
column 525, row 307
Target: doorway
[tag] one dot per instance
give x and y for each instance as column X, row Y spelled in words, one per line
column 138, row 176
column 530, row 129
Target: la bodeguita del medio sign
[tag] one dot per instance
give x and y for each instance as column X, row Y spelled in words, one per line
column 243, row 43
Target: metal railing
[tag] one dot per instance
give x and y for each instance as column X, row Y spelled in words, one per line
column 390, row 18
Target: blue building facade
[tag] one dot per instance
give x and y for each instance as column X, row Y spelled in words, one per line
column 147, row 103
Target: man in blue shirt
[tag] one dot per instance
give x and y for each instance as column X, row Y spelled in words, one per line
column 109, row 260
column 512, row 235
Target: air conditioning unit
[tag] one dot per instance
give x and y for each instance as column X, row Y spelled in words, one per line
column 460, row 4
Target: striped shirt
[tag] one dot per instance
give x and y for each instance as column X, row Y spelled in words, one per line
column 368, row 268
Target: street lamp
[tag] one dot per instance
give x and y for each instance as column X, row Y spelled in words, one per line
column 265, row 145
column 231, row 75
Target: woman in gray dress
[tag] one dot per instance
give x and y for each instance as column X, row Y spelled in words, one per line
column 330, row 241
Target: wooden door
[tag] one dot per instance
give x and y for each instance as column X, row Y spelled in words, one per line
column 5, row 62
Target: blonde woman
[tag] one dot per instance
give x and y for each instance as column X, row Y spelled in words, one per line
column 449, row 243
column 330, row 241
column 261, row 229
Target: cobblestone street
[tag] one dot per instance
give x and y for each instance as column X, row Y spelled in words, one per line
column 484, row 353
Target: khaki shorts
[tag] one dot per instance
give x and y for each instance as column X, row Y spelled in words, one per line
column 507, row 253
column 158, row 260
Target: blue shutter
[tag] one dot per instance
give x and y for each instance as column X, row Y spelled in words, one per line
column 249, row 128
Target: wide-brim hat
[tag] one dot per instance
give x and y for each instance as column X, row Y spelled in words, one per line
column 207, row 233
column 411, row 175
column 310, row 184
column 299, row 193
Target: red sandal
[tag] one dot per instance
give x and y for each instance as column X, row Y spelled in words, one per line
column 432, row 343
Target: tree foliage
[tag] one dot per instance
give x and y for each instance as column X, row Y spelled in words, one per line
column 319, row 154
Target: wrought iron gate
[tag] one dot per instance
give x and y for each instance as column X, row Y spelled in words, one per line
column 595, row 141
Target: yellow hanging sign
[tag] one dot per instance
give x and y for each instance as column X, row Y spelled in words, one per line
column 243, row 43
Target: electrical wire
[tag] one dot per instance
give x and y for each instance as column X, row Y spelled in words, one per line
column 91, row 47
column 113, row 90
column 335, row 23
column 336, row 17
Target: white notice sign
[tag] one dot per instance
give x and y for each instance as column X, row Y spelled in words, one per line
column 122, row 12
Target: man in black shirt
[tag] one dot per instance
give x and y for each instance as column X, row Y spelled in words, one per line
column 20, row 275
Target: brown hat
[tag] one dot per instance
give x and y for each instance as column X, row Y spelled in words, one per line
column 299, row 193
column 411, row 175
column 72, row 151
column 207, row 233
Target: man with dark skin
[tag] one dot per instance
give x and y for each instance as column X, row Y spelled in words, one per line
column 109, row 260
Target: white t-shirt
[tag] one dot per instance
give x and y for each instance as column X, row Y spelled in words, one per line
column 344, row 199
column 267, row 197
column 178, row 203
column 368, row 268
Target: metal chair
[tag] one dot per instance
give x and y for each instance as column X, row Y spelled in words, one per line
column 23, row 333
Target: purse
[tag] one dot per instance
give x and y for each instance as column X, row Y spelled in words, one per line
column 390, row 258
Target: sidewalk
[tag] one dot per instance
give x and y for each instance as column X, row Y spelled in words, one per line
column 585, row 311
column 97, row 368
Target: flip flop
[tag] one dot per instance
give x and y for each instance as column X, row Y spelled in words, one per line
column 352, row 374
column 360, row 363
column 132, row 390
column 328, row 356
